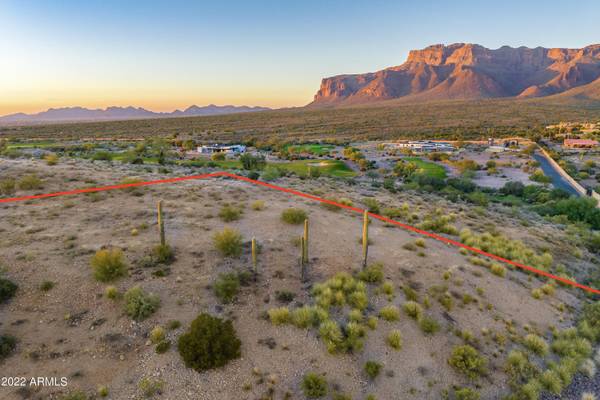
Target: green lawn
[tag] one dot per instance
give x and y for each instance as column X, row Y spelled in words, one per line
column 316, row 149
column 426, row 167
column 31, row 145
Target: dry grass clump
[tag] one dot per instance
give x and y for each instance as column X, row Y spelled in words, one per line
column 314, row 386
column 230, row 213
column 466, row 360
column 389, row 313
column 498, row 270
column 30, row 182
column 281, row 315
column 439, row 221
column 394, row 339
column 536, row 344
column 258, row 205
column 413, row 309
column 372, row 274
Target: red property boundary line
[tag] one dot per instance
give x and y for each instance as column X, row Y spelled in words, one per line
column 310, row 197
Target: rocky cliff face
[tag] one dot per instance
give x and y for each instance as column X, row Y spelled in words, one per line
column 468, row 71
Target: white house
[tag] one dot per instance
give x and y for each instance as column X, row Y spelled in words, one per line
column 424, row 146
column 222, row 148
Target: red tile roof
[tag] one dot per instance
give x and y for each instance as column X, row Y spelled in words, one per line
column 580, row 142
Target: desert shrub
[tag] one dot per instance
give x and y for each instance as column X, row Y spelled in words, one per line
column 226, row 286
column 8, row 344
column 466, row 360
column 30, row 182
column 163, row 254
column 518, row 367
column 429, row 325
column 466, row 394
column 284, row 296
column 394, row 339
column 7, row 186
column 7, row 289
column 74, row 395
column 551, row 381
column 389, row 313
column 111, row 292
column 568, row 344
column 355, row 315
column 157, row 334
column 387, row 288
column 228, row 242
column 258, row 205
column 293, row 216
column 420, row 242
column 173, row 324
column 209, row 343
column 413, row 309
column 372, row 369
column 588, row 368
column 51, row 159
column 331, row 334
column 230, row 213
column 548, row 289
column 150, row 387
column 218, row 156
column 537, row 293
column 162, row 347
column 372, row 205
column 140, row 305
column 279, row 316
column 251, row 162
column 536, row 344
column 498, row 270
column 372, row 274
column 108, row 265
column 103, row 391
column 46, row 286
column 314, row 386
column 302, row 317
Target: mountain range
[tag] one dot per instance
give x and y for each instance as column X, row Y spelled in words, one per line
column 470, row 71
column 117, row 113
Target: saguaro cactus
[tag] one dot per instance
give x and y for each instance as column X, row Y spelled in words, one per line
column 365, row 237
column 302, row 263
column 254, row 261
column 161, row 224
column 305, row 252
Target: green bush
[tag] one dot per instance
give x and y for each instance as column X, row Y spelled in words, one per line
column 293, row 216
column 498, row 270
column 46, row 286
column 111, row 292
column 140, row 305
column 157, row 334
column 280, row 316
column 30, row 182
column 429, row 325
column 372, row 369
column 466, row 360
column 230, row 213
column 150, row 387
column 413, row 309
column 372, row 274
column 226, row 287
column 389, row 313
column 466, row 394
column 551, row 381
column 394, row 339
column 228, row 242
column 108, row 265
column 518, row 367
column 162, row 347
column 163, row 254
column 314, row 386
column 536, row 344
column 7, row 289
column 8, row 344
column 7, row 186
column 209, row 343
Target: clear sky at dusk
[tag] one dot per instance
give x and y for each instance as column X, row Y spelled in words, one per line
column 170, row 54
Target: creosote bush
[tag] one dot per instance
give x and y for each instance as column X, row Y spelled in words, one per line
column 293, row 216
column 140, row 305
column 466, row 360
column 372, row 369
column 230, row 213
column 7, row 289
column 108, row 265
column 314, row 385
column 226, row 286
column 209, row 343
column 228, row 242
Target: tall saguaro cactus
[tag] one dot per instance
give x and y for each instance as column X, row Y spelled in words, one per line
column 365, row 237
column 302, row 263
column 161, row 224
column 254, row 260
column 305, row 251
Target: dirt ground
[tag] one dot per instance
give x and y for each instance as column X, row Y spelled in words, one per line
column 74, row 331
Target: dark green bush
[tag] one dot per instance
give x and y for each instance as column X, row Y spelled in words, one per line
column 8, row 344
column 7, row 289
column 372, row 369
column 314, row 386
column 209, row 343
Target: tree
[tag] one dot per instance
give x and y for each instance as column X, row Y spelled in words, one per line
column 250, row 162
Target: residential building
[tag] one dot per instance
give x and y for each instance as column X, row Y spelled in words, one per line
column 222, row 148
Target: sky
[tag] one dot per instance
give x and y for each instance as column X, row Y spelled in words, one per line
column 164, row 55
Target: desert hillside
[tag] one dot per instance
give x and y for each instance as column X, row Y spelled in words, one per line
column 468, row 71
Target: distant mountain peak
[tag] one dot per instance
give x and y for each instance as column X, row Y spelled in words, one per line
column 77, row 113
column 468, row 71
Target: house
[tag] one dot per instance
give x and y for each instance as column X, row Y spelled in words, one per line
column 424, row 146
column 222, row 148
column 580, row 143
